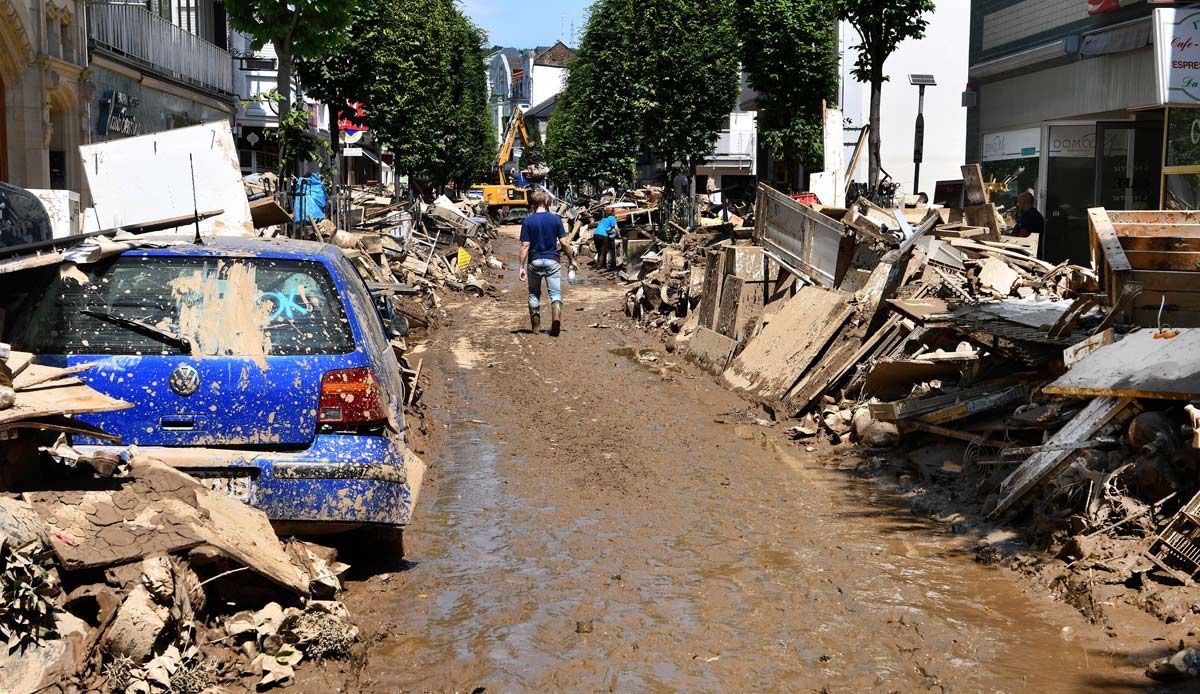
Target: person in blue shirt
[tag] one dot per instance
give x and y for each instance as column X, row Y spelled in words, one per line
column 1029, row 220
column 543, row 236
column 604, row 236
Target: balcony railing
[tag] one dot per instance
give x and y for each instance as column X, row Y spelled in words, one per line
column 736, row 144
column 135, row 32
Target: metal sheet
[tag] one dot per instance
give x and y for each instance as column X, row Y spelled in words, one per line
column 803, row 239
column 150, row 177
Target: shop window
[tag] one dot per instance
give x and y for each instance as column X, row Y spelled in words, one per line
column 1013, row 159
column 1181, row 161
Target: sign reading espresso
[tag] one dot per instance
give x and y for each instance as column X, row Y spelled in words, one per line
column 1177, row 56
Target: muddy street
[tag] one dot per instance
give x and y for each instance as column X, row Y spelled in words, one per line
column 599, row 516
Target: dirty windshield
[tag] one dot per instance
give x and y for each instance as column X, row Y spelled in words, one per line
column 159, row 305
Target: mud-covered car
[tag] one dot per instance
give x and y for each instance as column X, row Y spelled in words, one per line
column 261, row 367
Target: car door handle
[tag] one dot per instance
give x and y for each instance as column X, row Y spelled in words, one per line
column 178, row 424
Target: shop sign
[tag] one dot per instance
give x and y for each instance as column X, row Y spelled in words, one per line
column 1073, row 141
column 1014, row 144
column 117, row 115
column 1177, row 56
column 352, row 151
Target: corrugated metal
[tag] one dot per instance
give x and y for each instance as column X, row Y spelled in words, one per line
column 1099, row 85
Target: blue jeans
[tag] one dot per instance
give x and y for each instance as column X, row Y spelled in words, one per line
column 543, row 268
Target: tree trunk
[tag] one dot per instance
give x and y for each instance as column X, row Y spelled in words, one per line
column 874, row 141
column 335, row 144
column 283, row 85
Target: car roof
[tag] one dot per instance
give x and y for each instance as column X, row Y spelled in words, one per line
column 238, row 247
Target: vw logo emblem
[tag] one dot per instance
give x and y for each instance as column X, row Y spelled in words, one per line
column 185, row 380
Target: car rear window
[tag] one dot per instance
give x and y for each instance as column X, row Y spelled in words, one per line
column 221, row 306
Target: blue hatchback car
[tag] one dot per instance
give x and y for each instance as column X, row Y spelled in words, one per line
column 260, row 366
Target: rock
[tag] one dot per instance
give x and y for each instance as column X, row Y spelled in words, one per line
column 21, row 524
column 137, row 626
column 1183, row 665
column 872, row 432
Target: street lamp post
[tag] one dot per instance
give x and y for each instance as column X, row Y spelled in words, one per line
column 919, row 81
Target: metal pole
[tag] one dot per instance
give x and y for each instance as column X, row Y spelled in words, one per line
column 919, row 142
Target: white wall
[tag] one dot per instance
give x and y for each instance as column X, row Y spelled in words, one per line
column 944, row 53
column 547, row 81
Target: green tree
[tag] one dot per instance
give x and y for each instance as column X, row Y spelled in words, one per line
column 659, row 75
column 297, row 29
column 789, row 54
column 467, row 130
column 690, row 77
column 339, row 76
column 881, row 26
column 593, row 134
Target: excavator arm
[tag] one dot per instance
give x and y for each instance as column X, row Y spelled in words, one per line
column 516, row 125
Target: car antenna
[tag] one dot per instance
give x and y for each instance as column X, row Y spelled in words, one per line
column 195, row 206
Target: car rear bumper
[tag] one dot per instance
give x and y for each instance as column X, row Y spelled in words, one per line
column 340, row 478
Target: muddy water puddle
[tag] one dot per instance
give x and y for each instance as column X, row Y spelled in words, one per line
column 837, row 587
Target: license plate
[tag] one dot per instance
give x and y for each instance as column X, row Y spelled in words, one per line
column 233, row 486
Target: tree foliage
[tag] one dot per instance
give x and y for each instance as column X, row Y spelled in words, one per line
column 690, row 78
column 592, row 135
column 297, row 29
column 881, row 26
column 416, row 66
column 660, row 75
column 789, row 54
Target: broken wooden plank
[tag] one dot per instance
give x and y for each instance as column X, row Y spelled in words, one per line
column 912, row 408
column 1075, row 353
column 1098, row 414
column 974, row 190
column 1139, row 366
column 710, row 350
column 714, row 278
column 998, row 275
column 795, row 338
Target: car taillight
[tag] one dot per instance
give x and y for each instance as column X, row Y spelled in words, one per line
column 350, row 396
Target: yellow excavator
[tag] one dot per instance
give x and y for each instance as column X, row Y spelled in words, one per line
column 506, row 203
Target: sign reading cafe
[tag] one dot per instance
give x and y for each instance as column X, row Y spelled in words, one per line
column 1177, row 56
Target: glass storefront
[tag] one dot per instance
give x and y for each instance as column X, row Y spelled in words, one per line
column 1070, row 191
column 1181, row 162
column 1015, row 159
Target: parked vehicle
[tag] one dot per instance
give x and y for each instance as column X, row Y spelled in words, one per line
column 260, row 366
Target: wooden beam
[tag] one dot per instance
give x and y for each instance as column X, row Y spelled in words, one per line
column 1098, row 414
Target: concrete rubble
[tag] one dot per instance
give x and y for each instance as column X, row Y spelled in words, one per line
column 121, row 578
column 983, row 382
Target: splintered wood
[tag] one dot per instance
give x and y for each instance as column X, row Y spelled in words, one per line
column 789, row 345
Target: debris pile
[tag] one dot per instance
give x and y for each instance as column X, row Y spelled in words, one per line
column 120, row 581
column 989, row 379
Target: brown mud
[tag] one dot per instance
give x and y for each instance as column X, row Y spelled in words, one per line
column 599, row 516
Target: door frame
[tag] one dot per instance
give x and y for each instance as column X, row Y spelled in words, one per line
column 1101, row 127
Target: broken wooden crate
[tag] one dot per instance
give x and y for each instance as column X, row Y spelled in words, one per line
column 1158, row 250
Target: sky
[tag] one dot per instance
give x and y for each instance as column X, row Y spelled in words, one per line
column 524, row 24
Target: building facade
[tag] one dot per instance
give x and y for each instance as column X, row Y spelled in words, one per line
column 524, row 79
column 44, row 97
column 75, row 72
column 1064, row 102
column 255, row 72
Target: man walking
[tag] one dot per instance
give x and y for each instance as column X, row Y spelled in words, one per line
column 543, row 235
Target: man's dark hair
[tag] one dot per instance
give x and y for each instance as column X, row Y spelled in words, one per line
column 539, row 199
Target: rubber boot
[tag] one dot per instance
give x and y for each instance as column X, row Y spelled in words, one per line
column 535, row 320
column 555, row 318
